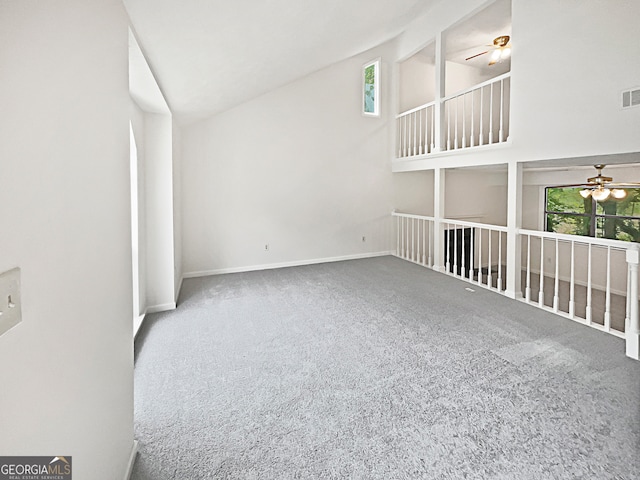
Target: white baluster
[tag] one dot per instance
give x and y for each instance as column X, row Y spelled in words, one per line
column 527, row 292
column 572, row 287
column 473, row 107
column 455, row 248
column 462, row 259
column 398, row 236
column 430, row 251
column 415, row 133
column 455, row 142
column 464, row 121
column 632, row 333
column 409, row 136
column 406, row 139
column 399, row 137
column 481, row 135
column 413, row 239
column 499, row 284
column 607, row 308
column 627, row 310
column 588, row 316
column 491, row 114
column 541, row 290
column 480, row 256
column 420, row 146
column 448, row 105
column 407, row 247
column 402, row 237
column 472, row 253
column 500, row 134
column 433, row 123
column 556, row 287
column 447, row 255
column 424, row 242
column 489, row 269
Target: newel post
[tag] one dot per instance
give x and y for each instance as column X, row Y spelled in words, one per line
column 632, row 330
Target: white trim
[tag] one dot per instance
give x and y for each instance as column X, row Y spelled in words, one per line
column 137, row 324
column 161, row 308
column 459, row 156
column 178, row 289
column 297, row 263
column 132, row 460
column 376, row 99
column 476, row 87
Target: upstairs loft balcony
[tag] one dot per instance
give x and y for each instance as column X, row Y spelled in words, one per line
column 470, row 118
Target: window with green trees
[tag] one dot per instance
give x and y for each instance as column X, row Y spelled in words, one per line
column 567, row 212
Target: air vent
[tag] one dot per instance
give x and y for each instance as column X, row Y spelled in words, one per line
column 631, row 98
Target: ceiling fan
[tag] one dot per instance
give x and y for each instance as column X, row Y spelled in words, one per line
column 501, row 49
column 600, row 188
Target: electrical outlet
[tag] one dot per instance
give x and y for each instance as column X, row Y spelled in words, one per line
column 266, row 246
column 364, row 239
column 10, row 300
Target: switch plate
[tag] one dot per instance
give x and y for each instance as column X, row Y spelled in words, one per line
column 10, row 300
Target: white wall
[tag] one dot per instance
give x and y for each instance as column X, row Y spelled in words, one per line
column 413, row 192
column 563, row 105
column 159, row 212
column 417, row 81
column 460, row 77
column 176, row 153
column 476, row 195
column 137, row 122
column 67, row 370
column 300, row 169
column 569, row 104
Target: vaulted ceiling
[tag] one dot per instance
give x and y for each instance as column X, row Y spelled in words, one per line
column 210, row 55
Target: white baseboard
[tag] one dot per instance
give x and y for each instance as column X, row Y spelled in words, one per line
column 137, row 323
column 270, row 266
column 178, row 289
column 132, row 460
column 160, row 308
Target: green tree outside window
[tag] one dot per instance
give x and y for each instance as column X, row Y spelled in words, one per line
column 566, row 211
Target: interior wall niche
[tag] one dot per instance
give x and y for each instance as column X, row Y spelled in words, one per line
column 470, row 47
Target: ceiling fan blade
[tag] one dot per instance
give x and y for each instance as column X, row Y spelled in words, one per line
column 476, row 55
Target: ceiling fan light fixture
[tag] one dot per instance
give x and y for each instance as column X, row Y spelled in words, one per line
column 501, row 41
column 618, row 193
column 600, row 194
column 506, row 52
column 585, row 193
column 495, row 55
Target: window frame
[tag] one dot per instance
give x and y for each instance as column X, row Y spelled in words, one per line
column 593, row 216
column 376, row 88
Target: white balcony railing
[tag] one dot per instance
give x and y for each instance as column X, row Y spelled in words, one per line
column 414, row 238
column 416, row 131
column 470, row 118
column 590, row 280
column 583, row 278
column 471, row 251
column 476, row 252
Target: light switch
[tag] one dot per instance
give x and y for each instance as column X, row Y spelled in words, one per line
column 10, row 300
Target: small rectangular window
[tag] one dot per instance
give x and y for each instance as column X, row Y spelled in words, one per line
column 371, row 88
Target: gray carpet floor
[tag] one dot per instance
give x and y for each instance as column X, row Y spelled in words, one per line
column 377, row 369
